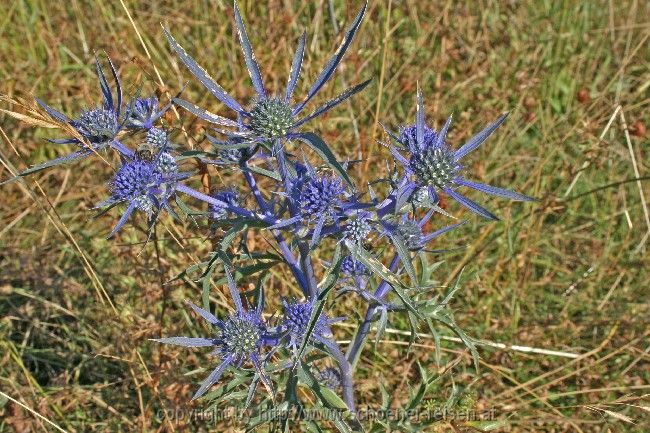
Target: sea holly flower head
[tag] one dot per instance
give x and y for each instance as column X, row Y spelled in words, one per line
column 320, row 195
column 353, row 268
column 240, row 336
column 228, row 196
column 133, row 183
column 144, row 183
column 158, row 138
column 431, row 165
column 98, row 126
column 358, row 228
column 411, row 234
column 295, row 322
column 330, row 377
column 269, row 118
column 237, row 339
column 145, row 112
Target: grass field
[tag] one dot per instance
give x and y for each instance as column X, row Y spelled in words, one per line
column 569, row 274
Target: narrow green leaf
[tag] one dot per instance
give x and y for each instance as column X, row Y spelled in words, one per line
column 405, row 255
column 381, row 325
column 378, row 268
column 321, row 148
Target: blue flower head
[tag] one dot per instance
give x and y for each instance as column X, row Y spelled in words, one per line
column 98, row 127
column 240, row 336
column 330, row 377
column 431, row 165
column 237, row 339
column 358, row 228
column 158, row 138
column 230, row 151
column 145, row 112
column 411, row 234
column 295, row 323
column 270, row 118
column 353, row 268
column 408, row 232
column 320, row 195
column 228, row 196
column 144, row 183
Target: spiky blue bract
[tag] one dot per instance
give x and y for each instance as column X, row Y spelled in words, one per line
column 237, row 339
column 268, row 118
column 295, row 322
column 432, row 166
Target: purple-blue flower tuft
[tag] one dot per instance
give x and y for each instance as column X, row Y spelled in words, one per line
column 295, row 323
column 433, row 166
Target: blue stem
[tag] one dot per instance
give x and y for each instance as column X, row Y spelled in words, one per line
column 284, row 248
column 364, row 329
column 308, row 269
column 346, row 373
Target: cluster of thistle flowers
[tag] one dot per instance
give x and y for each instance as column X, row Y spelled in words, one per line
column 304, row 204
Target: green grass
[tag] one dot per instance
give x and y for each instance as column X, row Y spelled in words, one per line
column 564, row 274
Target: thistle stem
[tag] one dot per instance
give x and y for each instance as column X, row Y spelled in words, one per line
column 362, row 335
column 284, row 248
column 346, row 373
column 308, row 269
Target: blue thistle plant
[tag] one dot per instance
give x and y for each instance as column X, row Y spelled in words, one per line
column 270, row 117
column 430, row 164
column 305, row 205
column 97, row 128
column 237, row 339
